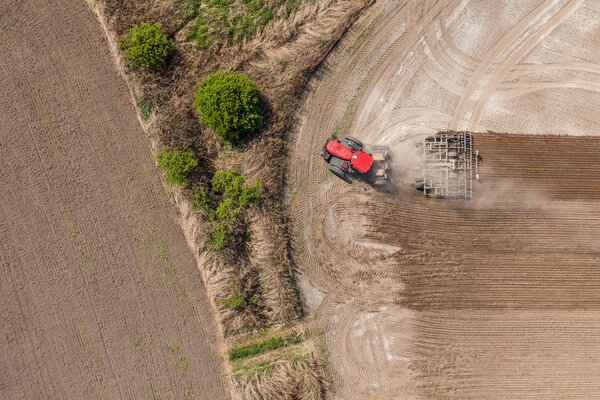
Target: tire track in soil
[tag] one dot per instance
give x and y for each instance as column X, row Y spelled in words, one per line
column 426, row 298
column 512, row 36
column 98, row 278
column 516, row 56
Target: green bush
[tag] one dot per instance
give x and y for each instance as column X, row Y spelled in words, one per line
column 144, row 46
column 228, row 103
column 202, row 199
column 177, row 164
column 217, row 238
column 226, row 200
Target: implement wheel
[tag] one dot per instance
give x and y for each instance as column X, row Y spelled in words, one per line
column 419, row 184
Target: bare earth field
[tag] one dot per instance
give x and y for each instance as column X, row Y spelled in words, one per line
column 493, row 298
column 101, row 296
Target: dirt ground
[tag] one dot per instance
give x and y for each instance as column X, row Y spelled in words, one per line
column 101, row 296
column 493, row 298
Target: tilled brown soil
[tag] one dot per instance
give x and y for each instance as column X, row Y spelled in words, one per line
column 492, row 298
column 101, row 297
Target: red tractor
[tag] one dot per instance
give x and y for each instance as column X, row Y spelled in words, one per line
column 349, row 157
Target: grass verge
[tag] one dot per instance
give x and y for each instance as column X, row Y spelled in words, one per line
column 278, row 44
column 249, row 350
column 287, row 376
column 224, row 22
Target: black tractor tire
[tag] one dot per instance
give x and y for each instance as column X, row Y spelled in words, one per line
column 355, row 141
column 419, row 184
column 340, row 173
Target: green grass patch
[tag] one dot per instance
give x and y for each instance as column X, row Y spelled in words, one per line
column 144, row 107
column 249, row 350
column 224, row 22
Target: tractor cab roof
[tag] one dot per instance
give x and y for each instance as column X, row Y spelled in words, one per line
column 362, row 161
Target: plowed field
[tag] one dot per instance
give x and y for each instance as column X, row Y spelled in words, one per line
column 493, row 298
column 100, row 295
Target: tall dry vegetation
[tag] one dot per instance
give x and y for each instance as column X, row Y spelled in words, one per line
column 279, row 58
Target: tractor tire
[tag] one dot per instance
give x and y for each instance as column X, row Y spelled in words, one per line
column 355, row 141
column 419, row 184
column 340, row 173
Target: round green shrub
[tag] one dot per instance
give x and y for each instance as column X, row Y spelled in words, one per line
column 144, row 46
column 228, row 103
column 177, row 164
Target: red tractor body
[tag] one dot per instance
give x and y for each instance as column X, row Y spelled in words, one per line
column 348, row 156
column 360, row 160
column 339, row 150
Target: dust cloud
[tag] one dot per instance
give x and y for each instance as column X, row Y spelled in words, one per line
column 405, row 162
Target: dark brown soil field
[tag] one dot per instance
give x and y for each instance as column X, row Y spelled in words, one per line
column 101, row 296
column 492, row 298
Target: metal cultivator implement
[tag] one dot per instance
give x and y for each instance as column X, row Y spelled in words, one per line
column 449, row 166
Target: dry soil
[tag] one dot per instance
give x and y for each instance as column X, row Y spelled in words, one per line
column 493, row 298
column 100, row 295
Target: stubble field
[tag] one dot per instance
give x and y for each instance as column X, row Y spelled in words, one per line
column 101, row 296
column 492, row 298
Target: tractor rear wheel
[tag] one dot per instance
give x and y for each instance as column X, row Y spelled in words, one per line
column 337, row 171
column 355, row 141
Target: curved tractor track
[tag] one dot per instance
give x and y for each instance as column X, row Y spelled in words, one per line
column 497, row 297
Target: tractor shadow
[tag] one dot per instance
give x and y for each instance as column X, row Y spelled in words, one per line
column 389, row 187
